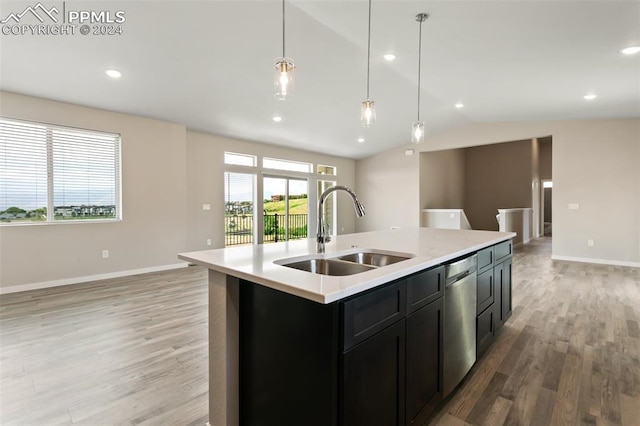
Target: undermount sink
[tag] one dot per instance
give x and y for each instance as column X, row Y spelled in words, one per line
column 329, row 267
column 345, row 264
column 373, row 259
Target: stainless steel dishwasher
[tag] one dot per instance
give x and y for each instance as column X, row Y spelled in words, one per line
column 460, row 296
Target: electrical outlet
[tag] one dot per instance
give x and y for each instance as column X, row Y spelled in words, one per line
column 105, row 254
column 208, row 241
column 590, row 243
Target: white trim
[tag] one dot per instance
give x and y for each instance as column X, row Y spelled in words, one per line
column 88, row 278
column 597, row 261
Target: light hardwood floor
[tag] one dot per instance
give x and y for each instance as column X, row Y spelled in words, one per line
column 134, row 351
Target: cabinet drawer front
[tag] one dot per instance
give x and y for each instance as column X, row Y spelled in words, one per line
column 486, row 290
column 424, row 288
column 485, row 331
column 368, row 314
column 485, row 258
column 503, row 250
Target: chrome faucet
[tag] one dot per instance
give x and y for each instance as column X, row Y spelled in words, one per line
column 322, row 238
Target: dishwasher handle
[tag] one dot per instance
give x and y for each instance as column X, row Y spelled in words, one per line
column 457, row 270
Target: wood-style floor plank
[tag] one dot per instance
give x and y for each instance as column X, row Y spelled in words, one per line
column 133, row 351
column 569, row 355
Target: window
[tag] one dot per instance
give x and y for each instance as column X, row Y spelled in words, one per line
column 239, row 159
column 326, row 170
column 290, row 166
column 55, row 174
column 239, row 195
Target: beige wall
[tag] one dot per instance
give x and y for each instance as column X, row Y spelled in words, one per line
column 442, row 179
column 388, row 185
column 596, row 163
column 497, row 176
column 153, row 229
column 205, row 157
column 167, row 174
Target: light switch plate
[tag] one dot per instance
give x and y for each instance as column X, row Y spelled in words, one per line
column 206, row 207
column 574, row 206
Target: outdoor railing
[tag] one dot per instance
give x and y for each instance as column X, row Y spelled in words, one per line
column 239, row 228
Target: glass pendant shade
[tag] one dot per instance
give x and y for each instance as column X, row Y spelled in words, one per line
column 367, row 113
column 283, row 78
column 417, row 132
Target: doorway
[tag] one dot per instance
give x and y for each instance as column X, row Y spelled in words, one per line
column 286, row 208
column 545, row 201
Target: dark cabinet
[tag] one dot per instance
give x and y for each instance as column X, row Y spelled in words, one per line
column 424, row 288
column 373, row 380
column 375, row 358
column 485, row 331
column 367, row 314
column 486, row 290
column 503, row 305
column 424, row 361
column 494, row 293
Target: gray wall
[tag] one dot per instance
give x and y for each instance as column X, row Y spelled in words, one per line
column 167, row 174
column 596, row 163
column 442, row 179
column 497, row 176
column 388, row 185
column 546, row 159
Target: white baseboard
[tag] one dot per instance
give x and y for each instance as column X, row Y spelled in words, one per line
column 78, row 280
column 597, row 261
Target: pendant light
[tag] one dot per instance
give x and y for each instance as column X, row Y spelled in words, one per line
column 417, row 130
column 283, row 77
column 368, row 107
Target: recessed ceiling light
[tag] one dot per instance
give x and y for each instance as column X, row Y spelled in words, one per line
column 389, row 56
column 277, row 118
column 590, row 96
column 113, row 73
column 459, row 105
column 631, row 50
column 360, row 140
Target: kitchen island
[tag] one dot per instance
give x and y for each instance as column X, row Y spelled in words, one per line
column 255, row 276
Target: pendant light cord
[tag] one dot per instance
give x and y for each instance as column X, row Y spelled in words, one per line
column 419, row 63
column 369, row 50
column 283, row 55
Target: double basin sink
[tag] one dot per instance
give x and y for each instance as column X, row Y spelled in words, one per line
column 347, row 263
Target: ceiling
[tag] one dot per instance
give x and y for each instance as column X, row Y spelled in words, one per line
column 208, row 65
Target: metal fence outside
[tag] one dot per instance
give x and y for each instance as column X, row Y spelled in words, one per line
column 239, row 228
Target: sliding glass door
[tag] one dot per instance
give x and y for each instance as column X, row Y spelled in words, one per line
column 286, row 207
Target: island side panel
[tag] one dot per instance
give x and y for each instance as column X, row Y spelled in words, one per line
column 223, row 349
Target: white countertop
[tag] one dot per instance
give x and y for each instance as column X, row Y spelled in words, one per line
column 430, row 246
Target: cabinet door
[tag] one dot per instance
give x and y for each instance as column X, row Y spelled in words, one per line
column 498, row 274
column 506, row 289
column 424, row 361
column 485, row 331
column 373, row 380
column 503, row 305
column 486, row 291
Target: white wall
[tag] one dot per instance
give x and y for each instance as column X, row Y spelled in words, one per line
column 595, row 164
column 167, row 174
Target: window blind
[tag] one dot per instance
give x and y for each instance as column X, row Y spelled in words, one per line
column 53, row 173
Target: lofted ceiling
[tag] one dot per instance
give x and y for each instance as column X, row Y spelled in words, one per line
column 208, row 65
